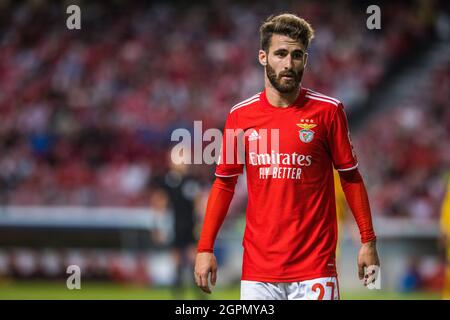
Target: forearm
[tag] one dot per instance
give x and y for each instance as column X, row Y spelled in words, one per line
column 219, row 200
column 358, row 201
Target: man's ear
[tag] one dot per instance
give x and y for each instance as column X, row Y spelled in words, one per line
column 306, row 60
column 262, row 56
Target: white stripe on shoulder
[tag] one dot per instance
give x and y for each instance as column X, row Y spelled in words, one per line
column 321, row 99
column 245, row 102
column 243, row 105
column 348, row 169
column 321, row 95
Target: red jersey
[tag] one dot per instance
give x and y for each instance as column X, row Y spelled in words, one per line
column 291, row 227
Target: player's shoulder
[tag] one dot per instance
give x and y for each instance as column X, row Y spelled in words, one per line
column 246, row 103
column 321, row 98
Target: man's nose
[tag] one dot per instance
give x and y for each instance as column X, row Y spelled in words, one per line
column 288, row 63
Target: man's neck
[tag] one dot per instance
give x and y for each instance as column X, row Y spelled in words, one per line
column 279, row 99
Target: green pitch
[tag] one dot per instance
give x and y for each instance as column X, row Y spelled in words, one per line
column 98, row 290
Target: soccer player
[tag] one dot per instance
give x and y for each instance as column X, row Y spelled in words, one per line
column 291, row 229
column 445, row 238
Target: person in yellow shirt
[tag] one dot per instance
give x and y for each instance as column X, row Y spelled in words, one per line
column 341, row 207
column 445, row 235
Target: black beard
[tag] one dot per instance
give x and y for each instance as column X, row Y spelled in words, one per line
column 288, row 87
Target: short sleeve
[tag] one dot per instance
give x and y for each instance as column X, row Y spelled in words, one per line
column 231, row 159
column 340, row 143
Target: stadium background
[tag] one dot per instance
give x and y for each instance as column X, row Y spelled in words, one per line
column 86, row 118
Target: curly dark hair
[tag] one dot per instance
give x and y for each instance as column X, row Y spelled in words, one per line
column 285, row 24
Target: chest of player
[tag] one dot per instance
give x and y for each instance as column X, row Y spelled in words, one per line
column 287, row 132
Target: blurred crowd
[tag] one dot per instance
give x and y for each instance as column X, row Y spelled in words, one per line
column 422, row 273
column 407, row 173
column 86, row 115
column 149, row 268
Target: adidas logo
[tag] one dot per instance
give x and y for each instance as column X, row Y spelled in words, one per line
column 254, row 136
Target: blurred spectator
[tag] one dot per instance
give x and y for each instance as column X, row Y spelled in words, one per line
column 411, row 280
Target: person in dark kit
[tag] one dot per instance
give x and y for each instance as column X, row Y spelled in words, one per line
column 183, row 189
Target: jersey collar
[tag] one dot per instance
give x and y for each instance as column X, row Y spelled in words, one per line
column 297, row 103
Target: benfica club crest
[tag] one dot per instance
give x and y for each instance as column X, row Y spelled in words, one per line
column 306, row 134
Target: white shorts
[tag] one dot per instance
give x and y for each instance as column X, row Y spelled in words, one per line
column 316, row 289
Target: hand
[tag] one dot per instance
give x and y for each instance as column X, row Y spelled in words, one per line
column 368, row 257
column 205, row 263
